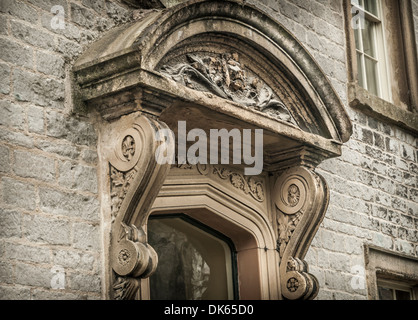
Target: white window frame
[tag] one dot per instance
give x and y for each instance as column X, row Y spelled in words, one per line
column 398, row 285
column 383, row 77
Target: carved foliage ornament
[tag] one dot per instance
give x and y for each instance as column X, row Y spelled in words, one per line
column 136, row 176
column 301, row 198
column 224, row 76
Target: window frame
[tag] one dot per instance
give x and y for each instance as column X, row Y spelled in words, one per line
column 395, row 112
column 397, row 285
column 386, row 266
column 379, row 43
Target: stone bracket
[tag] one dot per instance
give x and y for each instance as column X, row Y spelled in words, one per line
column 301, row 199
column 137, row 171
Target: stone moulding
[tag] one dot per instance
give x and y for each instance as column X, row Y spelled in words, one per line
column 234, row 62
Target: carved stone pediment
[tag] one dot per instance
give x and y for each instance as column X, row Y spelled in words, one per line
column 225, row 76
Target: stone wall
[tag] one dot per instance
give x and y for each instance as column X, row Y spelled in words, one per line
column 49, row 197
column 49, row 190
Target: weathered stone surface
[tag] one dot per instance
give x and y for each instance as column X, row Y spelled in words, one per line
column 68, row 204
column 86, row 236
column 29, row 165
column 78, row 177
column 4, row 159
column 36, row 122
column 76, row 260
column 77, row 131
column 10, row 224
column 42, row 91
column 16, row 53
column 4, row 78
column 50, row 64
column 47, row 230
column 18, row 194
column 26, row 253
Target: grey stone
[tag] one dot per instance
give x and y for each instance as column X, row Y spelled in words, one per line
column 70, row 31
column 14, row 293
column 19, row 194
column 36, row 121
column 4, row 27
column 50, row 64
column 86, row 236
column 6, row 272
column 117, row 13
column 4, row 78
column 10, row 224
column 74, row 259
column 16, row 53
column 48, row 4
column 32, row 36
column 42, row 91
column 19, row 9
column 47, row 230
column 85, row 282
column 82, row 16
column 12, row 115
column 69, row 204
column 89, row 156
column 4, row 159
column 69, row 49
column 58, row 148
column 26, row 253
column 77, row 131
column 16, row 138
column 29, row 165
column 78, row 177
column 32, row 275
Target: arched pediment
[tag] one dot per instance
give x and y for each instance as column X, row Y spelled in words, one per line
column 227, row 56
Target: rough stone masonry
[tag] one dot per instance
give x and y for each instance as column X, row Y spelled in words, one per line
column 49, row 188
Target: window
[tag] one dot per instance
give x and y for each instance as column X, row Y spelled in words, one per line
column 382, row 60
column 194, row 261
column 372, row 72
column 396, row 290
column 390, row 275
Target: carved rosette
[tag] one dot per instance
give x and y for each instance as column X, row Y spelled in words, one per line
column 301, row 198
column 137, row 172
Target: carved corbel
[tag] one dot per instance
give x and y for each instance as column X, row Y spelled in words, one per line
column 137, row 172
column 301, row 198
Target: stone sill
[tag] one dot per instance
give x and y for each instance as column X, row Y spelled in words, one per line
column 380, row 109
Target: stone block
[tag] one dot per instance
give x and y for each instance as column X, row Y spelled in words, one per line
column 50, row 64
column 4, row 159
column 31, row 87
column 10, row 224
column 29, row 165
column 47, row 230
column 18, row 194
column 86, row 236
column 4, row 78
column 68, row 204
column 75, row 176
column 16, row 53
column 26, row 253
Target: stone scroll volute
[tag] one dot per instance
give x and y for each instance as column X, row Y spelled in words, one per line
column 137, row 172
column 301, row 197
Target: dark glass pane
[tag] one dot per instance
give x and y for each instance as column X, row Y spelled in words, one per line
column 368, row 38
column 403, row 295
column 192, row 264
column 371, row 6
column 371, row 74
column 385, row 293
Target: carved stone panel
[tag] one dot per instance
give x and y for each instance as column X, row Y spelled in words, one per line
column 137, row 173
column 224, row 76
column 301, row 197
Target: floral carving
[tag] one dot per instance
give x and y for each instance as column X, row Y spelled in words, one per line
column 286, row 226
column 224, row 76
column 248, row 185
column 120, row 183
